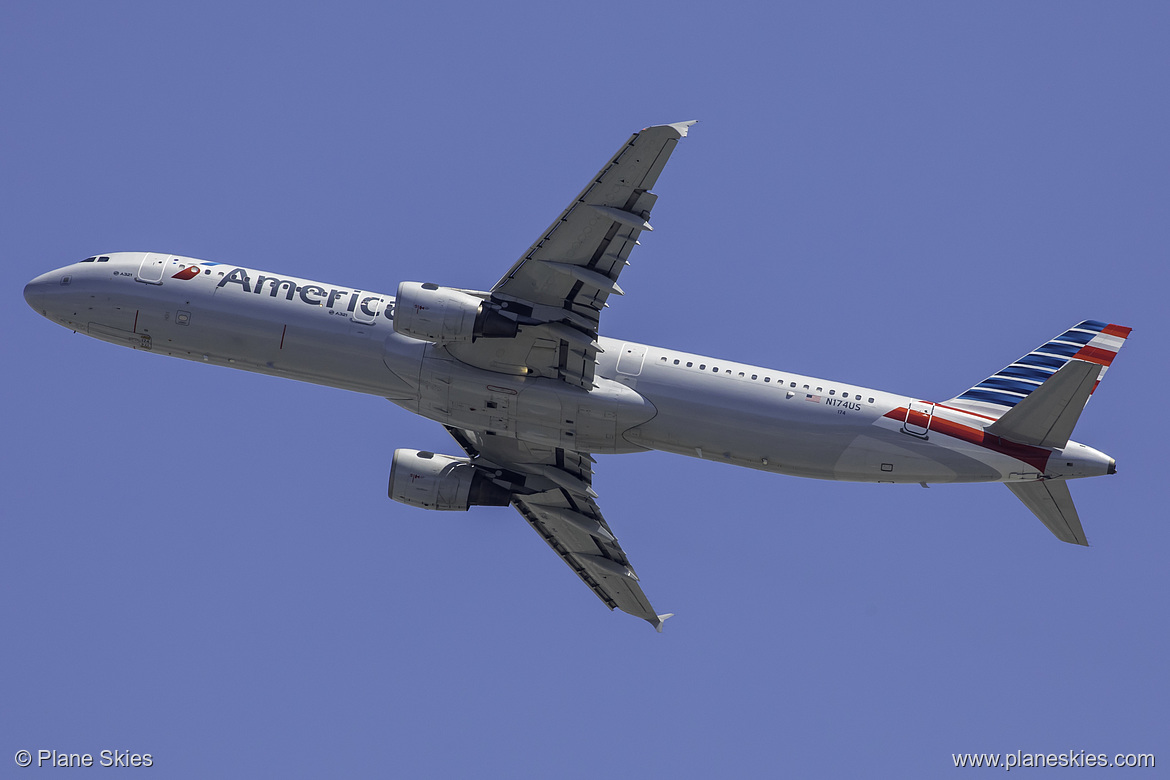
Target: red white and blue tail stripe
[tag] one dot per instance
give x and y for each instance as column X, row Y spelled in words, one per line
column 1090, row 341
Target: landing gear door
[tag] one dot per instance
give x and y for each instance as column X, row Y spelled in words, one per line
column 919, row 415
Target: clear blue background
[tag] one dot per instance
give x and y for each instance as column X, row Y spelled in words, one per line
column 202, row 564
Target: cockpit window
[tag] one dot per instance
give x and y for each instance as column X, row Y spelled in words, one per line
column 89, row 259
column 103, row 259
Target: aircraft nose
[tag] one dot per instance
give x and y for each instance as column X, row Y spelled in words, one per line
column 34, row 294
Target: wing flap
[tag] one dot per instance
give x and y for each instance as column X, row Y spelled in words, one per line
column 598, row 229
column 567, row 275
column 558, row 502
column 601, row 565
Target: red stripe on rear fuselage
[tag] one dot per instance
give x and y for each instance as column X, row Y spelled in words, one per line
column 1037, row 457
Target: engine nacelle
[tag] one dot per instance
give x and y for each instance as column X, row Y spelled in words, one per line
column 443, row 315
column 431, row 481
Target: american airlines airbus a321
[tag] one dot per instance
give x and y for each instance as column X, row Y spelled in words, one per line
column 530, row 392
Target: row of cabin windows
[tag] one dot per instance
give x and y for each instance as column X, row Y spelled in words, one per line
column 779, row 382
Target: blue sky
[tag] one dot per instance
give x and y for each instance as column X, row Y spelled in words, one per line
column 202, row 564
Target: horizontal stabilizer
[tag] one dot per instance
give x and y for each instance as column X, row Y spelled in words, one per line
column 1046, row 417
column 1050, row 501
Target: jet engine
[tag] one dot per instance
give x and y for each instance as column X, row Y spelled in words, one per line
column 443, row 315
column 442, row 482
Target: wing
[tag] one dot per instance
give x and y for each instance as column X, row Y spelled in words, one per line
column 558, row 503
column 557, row 289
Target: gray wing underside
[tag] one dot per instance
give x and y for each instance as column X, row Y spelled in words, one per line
column 558, row 502
column 556, row 290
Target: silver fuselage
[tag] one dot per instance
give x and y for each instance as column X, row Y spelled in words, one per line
column 645, row 398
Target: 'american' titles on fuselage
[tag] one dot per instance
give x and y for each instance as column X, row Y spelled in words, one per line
column 312, row 294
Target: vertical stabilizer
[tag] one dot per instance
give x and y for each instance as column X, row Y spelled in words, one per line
column 1090, row 342
column 1046, row 418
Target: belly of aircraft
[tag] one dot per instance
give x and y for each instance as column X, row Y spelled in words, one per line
column 537, row 410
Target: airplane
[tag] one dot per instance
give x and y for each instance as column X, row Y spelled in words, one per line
column 530, row 392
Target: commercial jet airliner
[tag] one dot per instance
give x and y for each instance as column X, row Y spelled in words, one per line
column 530, row 392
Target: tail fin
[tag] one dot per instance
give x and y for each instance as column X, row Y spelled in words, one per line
column 1037, row 400
column 1090, row 341
column 1047, row 416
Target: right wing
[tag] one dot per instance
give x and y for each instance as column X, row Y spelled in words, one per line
column 558, row 504
column 557, row 289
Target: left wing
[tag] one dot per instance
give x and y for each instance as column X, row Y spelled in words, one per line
column 557, row 501
column 557, row 289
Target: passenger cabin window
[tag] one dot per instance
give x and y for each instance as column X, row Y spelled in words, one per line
column 767, row 379
column 871, row 400
column 676, row 362
column 689, row 364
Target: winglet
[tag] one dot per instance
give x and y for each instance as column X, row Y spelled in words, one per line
column 679, row 127
column 660, row 620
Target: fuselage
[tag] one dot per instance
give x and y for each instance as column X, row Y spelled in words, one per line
column 645, row 397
